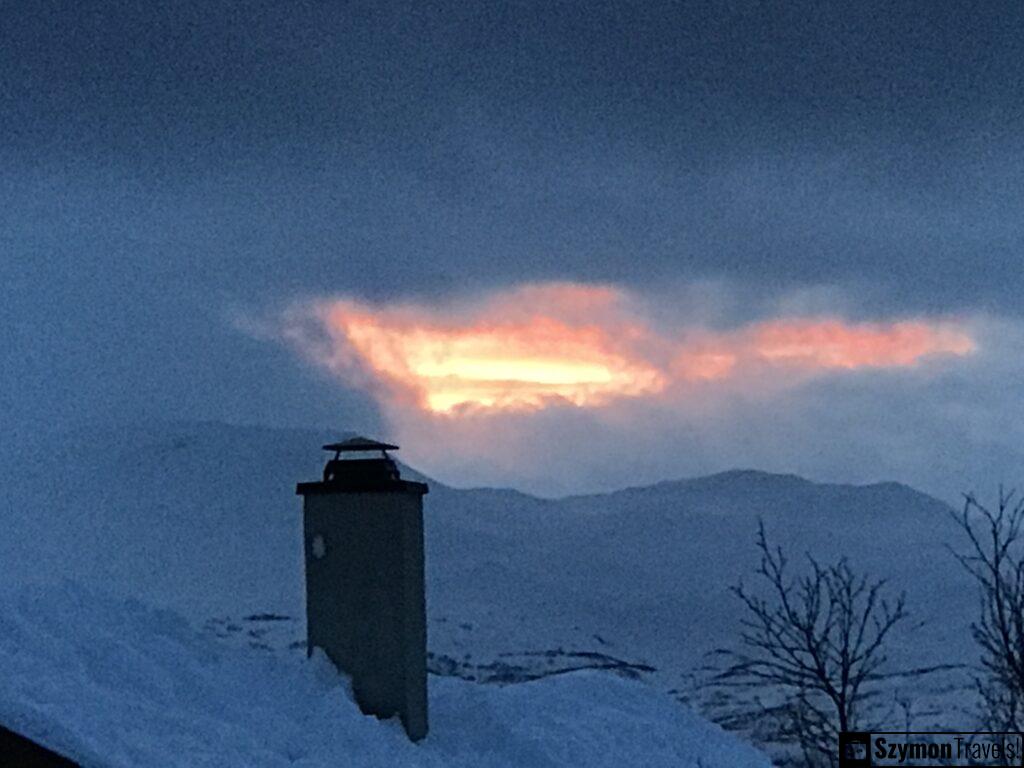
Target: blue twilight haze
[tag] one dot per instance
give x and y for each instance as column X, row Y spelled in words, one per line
column 176, row 177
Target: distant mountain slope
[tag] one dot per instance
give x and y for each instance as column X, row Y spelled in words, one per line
column 203, row 517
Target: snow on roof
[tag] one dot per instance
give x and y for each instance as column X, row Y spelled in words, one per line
column 114, row 683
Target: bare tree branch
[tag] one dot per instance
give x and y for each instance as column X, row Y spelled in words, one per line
column 994, row 560
column 810, row 654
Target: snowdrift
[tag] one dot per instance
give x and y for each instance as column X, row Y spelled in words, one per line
column 116, row 683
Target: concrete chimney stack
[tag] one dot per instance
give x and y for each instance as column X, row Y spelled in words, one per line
column 365, row 600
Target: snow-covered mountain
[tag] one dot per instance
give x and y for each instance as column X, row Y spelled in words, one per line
column 203, row 518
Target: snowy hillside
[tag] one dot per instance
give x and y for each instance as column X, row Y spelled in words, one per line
column 203, row 518
column 115, row 684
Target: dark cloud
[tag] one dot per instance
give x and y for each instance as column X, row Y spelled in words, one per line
column 803, row 143
column 165, row 162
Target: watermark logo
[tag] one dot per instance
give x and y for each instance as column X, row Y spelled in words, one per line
column 941, row 749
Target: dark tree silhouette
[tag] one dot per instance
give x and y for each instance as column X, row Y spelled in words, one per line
column 811, row 657
column 996, row 562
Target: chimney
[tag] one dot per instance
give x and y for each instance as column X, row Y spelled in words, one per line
column 365, row 602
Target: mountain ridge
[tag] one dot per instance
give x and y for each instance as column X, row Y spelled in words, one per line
column 176, row 429
column 203, row 518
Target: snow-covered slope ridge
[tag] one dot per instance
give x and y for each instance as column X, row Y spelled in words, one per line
column 115, row 683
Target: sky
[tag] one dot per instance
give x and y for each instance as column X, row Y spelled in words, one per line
column 564, row 247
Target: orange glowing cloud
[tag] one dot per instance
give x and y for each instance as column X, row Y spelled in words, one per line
column 831, row 344
column 818, row 345
column 536, row 345
column 512, row 353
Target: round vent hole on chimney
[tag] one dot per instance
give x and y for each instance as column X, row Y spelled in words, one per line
column 319, row 546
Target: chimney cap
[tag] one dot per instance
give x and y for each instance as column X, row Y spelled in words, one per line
column 359, row 444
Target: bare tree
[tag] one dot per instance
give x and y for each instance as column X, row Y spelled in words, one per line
column 996, row 562
column 811, row 655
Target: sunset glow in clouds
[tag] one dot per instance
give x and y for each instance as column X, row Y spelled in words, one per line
column 504, row 356
column 526, row 348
